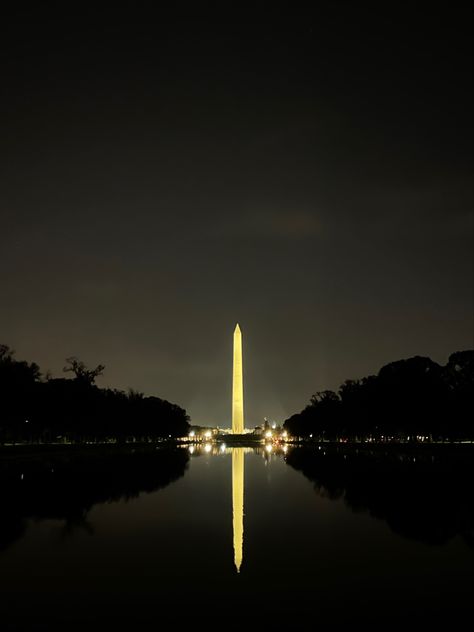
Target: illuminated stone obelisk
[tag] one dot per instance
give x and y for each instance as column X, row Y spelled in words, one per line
column 237, row 385
column 238, row 504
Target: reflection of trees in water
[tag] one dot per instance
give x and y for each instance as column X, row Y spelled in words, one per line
column 422, row 496
column 65, row 486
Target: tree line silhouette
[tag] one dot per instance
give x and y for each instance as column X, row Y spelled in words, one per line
column 414, row 399
column 42, row 408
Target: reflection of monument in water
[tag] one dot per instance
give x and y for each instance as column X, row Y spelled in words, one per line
column 237, row 385
column 238, row 504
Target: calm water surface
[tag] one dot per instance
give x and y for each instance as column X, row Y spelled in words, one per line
column 146, row 550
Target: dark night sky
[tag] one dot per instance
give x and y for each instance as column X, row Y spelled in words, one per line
column 306, row 173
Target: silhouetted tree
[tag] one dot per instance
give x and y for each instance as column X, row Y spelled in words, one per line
column 76, row 409
column 406, row 399
column 81, row 372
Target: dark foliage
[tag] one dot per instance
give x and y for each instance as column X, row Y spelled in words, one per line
column 59, row 409
column 406, row 400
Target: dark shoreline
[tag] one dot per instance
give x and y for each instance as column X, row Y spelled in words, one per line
column 43, row 450
column 441, row 448
column 106, row 447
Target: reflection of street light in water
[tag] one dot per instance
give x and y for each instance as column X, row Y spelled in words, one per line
column 238, row 504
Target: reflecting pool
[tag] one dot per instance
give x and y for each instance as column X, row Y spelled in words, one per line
column 236, row 538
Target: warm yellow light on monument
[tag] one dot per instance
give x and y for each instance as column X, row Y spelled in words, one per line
column 237, row 385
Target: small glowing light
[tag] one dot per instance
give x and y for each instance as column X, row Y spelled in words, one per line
column 274, row 426
column 21, row 477
column 268, row 447
column 285, row 449
column 191, row 434
column 223, row 446
column 268, row 434
column 208, row 447
column 284, row 434
column 26, row 421
column 191, row 449
column 310, row 436
column 208, row 434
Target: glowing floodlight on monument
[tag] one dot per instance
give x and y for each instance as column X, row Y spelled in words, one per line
column 237, row 385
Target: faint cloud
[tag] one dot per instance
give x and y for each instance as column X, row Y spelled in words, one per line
column 100, row 289
column 273, row 224
column 292, row 224
column 443, row 207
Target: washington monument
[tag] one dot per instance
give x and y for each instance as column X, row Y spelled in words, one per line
column 237, row 385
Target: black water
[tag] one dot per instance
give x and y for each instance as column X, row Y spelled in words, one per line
column 144, row 540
